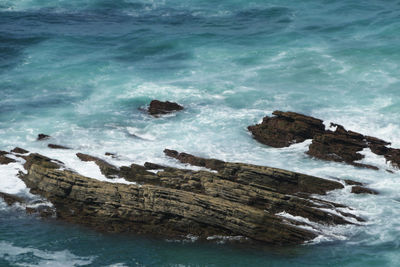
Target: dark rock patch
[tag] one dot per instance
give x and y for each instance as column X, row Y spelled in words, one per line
column 159, row 108
column 286, row 128
column 4, row 160
column 41, row 137
column 213, row 164
column 54, row 146
column 351, row 182
column 362, row 190
column 19, row 150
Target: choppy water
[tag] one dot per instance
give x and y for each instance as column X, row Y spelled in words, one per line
column 82, row 70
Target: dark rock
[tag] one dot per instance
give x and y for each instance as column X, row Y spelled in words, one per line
column 240, row 199
column 159, row 108
column 213, row 164
column 341, row 145
column 113, row 155
column 11, row 199
column 362, row 190
column 42, row 137
column 107, row 169
column 4, row 160
column 154, row 166
column 351, row 182
column 19, row 150
column 53, row 146
column 42, row 160
column 286, row 128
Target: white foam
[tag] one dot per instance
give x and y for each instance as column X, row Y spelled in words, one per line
column 374, row 159
column 9, row 181
column 18, row 256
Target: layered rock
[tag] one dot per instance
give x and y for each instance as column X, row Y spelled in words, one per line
column 340, row 145
column 235, row 199
column 286, row 128
column 159, row 108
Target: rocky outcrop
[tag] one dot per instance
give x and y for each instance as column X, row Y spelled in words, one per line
column 286, row 128
column 235, row 200
column 340, row 145
column 159, row 108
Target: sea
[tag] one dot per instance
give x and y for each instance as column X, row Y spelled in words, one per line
column 84, row 72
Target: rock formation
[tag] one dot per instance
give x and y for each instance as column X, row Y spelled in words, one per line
column 340, row 145
column 234, row 200
column 159, row 108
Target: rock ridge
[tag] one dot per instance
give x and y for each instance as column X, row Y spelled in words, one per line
column 340, row 145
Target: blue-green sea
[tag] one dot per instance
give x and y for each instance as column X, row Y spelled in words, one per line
column 83, row 71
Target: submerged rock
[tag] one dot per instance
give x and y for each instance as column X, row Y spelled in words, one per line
column 159, row 108
column 340, row 145
column 237, row 200
column 53, row 146
column 11, row 199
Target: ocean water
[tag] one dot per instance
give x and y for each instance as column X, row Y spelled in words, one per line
column 83, row 71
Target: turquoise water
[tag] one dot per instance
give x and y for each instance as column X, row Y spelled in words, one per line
column 82, row 71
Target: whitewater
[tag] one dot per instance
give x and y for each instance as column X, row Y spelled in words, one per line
column 84, row 71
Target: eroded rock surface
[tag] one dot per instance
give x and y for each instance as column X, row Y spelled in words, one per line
column 340, row 145
column 236, row 199
column 159, row 108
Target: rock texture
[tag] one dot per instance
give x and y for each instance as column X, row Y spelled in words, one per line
column 340, row 145
column 159, row 108
column 235, row 200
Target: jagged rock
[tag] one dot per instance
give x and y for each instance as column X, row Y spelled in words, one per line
column 4, row 160
column 238, row 199
column 53, row 146
column 213, row 164
column 19, row 150
column 43, row 137
column 286, row 128
column 159, row 108
column 341, row 145
column 362, row 190
column 11, row 199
